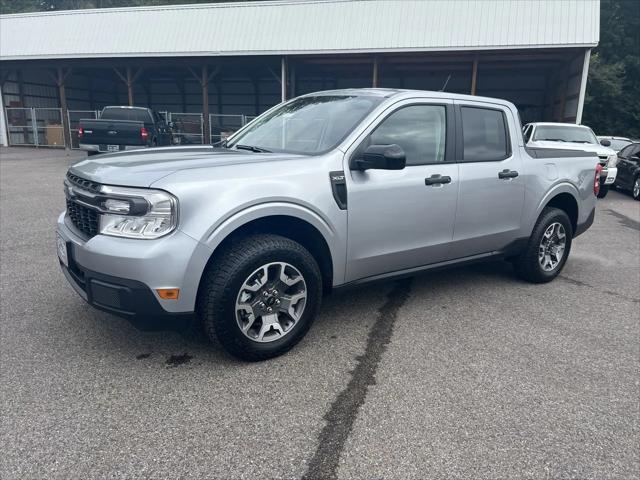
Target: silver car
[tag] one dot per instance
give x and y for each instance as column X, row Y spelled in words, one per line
column 326, row 190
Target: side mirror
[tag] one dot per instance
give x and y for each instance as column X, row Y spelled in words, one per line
column 170, row 124
column 605, row 143
column 380, row 157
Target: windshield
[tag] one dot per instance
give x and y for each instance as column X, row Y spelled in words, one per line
column 565, row 134
column 117, row 113
column 308, row 125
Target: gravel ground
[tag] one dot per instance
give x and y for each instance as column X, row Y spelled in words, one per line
column 467, row 373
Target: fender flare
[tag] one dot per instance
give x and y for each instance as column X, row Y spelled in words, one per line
column 564, row 187
column 281, row 208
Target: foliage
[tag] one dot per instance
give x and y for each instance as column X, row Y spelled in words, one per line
column 612, row 104
column 20, row 6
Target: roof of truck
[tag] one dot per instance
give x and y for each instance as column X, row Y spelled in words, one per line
column 393, row 92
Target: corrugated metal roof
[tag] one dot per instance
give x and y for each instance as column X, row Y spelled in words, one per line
column 299, row 27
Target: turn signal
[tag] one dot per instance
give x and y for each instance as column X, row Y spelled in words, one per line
column 168, row 293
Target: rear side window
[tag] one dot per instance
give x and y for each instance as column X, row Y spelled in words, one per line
column 484, row 133
column 135, row 114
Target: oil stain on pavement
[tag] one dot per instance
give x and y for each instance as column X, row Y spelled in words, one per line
column 344, row 410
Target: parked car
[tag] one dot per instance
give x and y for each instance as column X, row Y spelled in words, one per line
column 324, row 191
column 614, row 143
column 629, row 169
column 123, row 128
column 573, row 137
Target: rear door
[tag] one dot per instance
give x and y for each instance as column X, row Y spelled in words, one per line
column 402, row 219
column 492, row 180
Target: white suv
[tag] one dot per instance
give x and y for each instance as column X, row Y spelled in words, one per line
column 574, row 137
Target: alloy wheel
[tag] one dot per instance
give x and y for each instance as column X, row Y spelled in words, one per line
column 271, row 301
column 552, row 246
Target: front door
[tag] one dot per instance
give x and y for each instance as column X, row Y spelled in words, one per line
column 492, row 180
column 402, row 219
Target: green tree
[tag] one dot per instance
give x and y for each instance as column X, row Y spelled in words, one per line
column 20, row 6
column 612, row 103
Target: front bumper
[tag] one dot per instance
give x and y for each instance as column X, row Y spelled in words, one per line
column 121, row 275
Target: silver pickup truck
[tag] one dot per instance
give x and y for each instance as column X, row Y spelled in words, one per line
column 326, row 190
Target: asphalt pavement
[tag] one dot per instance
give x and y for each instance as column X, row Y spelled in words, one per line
column 465, row 373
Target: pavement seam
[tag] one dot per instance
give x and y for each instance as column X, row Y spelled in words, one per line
column 344, row 410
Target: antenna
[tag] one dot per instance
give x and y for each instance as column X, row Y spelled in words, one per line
column 445, row 83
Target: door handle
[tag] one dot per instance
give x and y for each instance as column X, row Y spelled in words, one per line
column 437, row 180
column 506, row 173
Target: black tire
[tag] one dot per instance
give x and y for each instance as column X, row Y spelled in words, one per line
column 223, row 280
column 526, row 264
column 633, row 192
column 603, row 191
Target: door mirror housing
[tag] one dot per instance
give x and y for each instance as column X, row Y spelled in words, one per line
column 605, row 143
column 170, row 125
column 380, row 157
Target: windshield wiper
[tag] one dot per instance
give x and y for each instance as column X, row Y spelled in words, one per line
column 551, row 139
column 579, row 141
column 252, row 148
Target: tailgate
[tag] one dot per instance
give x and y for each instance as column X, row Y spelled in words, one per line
column 111, row 132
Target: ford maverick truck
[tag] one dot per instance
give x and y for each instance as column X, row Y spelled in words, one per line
column 323, row 191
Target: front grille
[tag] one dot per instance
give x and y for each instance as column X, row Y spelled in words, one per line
column 82, row 183
column 85, row 219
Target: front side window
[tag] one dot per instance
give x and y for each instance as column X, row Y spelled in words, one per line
column 307, row 125
column 562, row 133
column 420, row 130
column 484, row 133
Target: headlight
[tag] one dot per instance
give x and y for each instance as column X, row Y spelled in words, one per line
column 612, row 161
column 137, row 212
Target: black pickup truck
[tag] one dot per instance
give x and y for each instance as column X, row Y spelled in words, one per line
column 123, row 128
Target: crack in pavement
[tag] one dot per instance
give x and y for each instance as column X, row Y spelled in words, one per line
column 343, row 412
column 624, row 220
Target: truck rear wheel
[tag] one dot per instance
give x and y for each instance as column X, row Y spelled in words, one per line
column 260, row 296
column 548, row 247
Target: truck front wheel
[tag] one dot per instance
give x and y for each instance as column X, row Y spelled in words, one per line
column 548, row 247
column 260, row 296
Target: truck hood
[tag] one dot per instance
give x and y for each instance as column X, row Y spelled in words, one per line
column 141, row 168
column 587, row 147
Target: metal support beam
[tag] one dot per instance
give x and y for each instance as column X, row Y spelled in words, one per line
column 583, row 85
column 283, row 79
column 205, row 106
column 204, row 78
column 129, row 79
column 374, row 82
column 60, row 77
column 474, row 76
column 4, row 135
